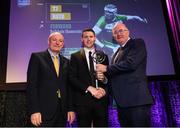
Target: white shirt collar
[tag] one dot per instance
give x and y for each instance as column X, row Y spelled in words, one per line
column 125, row 42
column 52, row 54
column 87, row 50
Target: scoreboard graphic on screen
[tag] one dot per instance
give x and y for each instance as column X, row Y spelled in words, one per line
column 71, row 12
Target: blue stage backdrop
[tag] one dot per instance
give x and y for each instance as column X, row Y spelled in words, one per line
column 31, row 22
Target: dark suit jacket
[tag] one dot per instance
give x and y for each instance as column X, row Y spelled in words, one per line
column 42, row 84
column 81, row 79
column 128, row 75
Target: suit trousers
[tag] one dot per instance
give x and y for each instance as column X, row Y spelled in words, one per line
column 95, row 114
column 134, row 116
column 58, row 120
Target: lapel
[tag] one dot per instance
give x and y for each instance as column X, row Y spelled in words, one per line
column 128, row 44
column 49, row 62
column 61, row 66
column 83, row 58
column 115, row 54
column 121, row 52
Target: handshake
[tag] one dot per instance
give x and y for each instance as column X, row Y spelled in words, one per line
column 96, row 92
column 99, row 92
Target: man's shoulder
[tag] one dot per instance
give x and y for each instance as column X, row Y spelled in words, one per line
column 64, row 58
column 77, row 53
column 137, row 40
column 40, row 52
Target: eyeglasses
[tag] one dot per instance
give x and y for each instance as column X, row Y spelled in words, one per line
column 120, row 31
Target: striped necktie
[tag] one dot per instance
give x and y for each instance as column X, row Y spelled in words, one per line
column 117, row 55
column 91, row 66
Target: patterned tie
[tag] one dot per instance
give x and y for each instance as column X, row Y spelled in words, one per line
column 117, row 55
column 92, row 71
column 56, row 64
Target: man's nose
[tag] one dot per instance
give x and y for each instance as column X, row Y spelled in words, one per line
column 88, row 38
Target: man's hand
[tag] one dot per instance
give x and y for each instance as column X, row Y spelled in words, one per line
column 70, row 117
column 102, row 91
column 100, row 76
column 101, row 68
column 36, row 119
column 96, row 92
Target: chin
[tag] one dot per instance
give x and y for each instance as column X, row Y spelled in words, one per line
column 56, row 51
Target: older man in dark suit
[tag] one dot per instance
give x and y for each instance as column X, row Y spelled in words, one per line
column 127, row 74
column 48, row 92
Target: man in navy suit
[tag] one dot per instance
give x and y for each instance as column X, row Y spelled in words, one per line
column 127, row 75
column 49, row 94
column 91, row 101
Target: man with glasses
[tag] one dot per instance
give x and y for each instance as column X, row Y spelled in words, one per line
column 127, row 74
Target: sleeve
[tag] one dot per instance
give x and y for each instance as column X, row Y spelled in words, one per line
column 135, row 56
column 32, row 85
column 73, row 75
column 106, row 62
column 70, row 93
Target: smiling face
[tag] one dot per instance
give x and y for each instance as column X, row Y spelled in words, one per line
column 56, row 42
column 88, row 39
column 120, row 33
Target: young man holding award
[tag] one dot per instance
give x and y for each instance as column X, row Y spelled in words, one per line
column 91, row 98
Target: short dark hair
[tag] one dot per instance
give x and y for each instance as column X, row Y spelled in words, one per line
column 88, row 30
